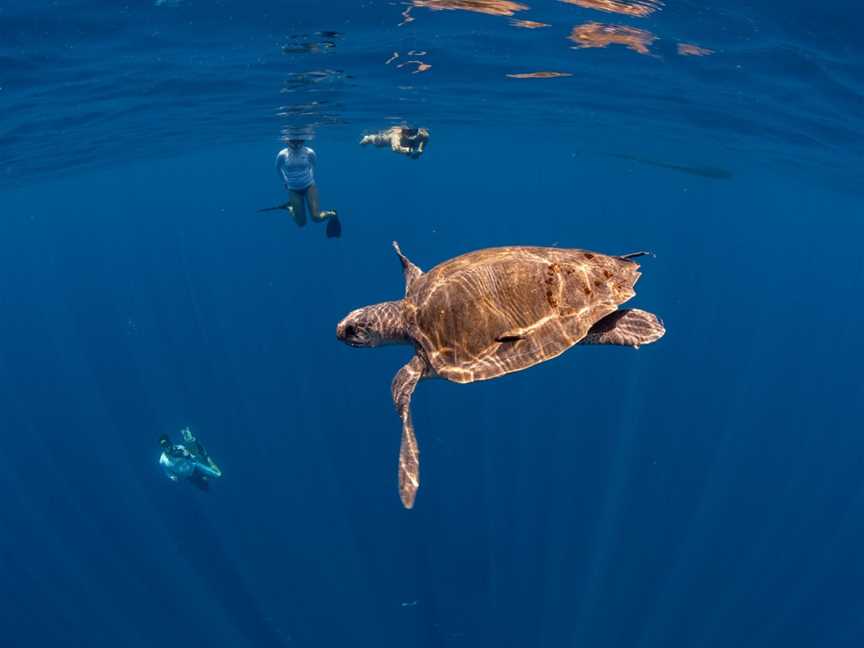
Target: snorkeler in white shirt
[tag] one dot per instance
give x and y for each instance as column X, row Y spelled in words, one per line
column 295, row 165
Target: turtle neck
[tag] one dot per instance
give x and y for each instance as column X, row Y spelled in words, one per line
column 390, row 321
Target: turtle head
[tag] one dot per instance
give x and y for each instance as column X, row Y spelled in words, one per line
column 373, row 326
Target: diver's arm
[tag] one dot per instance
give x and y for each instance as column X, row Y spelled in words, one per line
column 313, row 158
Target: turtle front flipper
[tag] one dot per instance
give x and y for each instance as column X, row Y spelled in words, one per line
column 409, row 453
column 411, row 270
column 628, row 327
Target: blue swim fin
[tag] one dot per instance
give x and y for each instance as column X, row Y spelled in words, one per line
column 199, row 481
column 334, row 227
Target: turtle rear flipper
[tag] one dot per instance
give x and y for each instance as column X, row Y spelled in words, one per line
column 628, row 327
column 409, row 453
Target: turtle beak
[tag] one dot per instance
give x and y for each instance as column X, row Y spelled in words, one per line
column 354, row 331
column 346, row 332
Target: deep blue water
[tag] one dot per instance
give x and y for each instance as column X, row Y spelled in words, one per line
column 706, row 490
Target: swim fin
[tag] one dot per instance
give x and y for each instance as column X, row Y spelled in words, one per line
column 282, row 206
column 199, row 481
column 334, row 227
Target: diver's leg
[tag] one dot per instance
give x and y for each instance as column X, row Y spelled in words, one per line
column 297, row 203
column 199, row 481
column 376, row 139
column 216, row 470
column 334, row 227
column 315, row 205
column 208, row 469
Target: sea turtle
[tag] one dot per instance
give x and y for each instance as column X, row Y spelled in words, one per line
column 494, row 311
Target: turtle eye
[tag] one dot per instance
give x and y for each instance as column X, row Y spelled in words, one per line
column 350, row 331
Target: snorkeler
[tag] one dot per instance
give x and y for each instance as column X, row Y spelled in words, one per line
column 295, row 165
column 188, row 460
column 400, row 139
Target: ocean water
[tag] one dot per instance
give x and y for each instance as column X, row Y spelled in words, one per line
column 703, row 491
